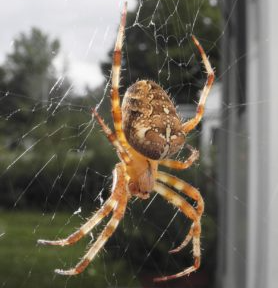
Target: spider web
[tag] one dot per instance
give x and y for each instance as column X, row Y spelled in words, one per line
column 57, row 166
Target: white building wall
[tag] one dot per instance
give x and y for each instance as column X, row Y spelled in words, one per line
column 262, row 99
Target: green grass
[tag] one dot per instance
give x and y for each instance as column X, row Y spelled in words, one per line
column 25, row 264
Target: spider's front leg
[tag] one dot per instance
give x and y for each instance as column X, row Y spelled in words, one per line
column 116, row 71
column 117, row 202
column 192, row 123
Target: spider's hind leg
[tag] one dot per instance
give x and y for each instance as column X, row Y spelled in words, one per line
column 189, row 211
column 85, row 228
column 104, row 211
column 191, row 192
column 101, row 240
column 184, row 243
column 122, row 196
column 117, row 202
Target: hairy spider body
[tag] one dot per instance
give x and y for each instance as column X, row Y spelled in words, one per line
column 147, row 132
column 141, row 178
column 150, row 121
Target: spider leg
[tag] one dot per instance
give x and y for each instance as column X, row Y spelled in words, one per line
column 112, row 138
column 190, row 212
column 181, row 165
column 116, row 70
column 111, row 226
column 184, row 243
column 189, row 191
column 192, row 123
column 107, row 207
column 85, row 228
column 118, row 139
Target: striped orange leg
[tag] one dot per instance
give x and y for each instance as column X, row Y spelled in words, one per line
column 181, row 165
column 117, row 202
column 189, row 191
column 192, row 123
column 112, row 138
column 85, row 228
column 122, row 197
column 116, row 71
column 107, row 207
column 191, row 213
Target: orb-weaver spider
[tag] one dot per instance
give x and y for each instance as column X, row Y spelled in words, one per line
column 147, row 132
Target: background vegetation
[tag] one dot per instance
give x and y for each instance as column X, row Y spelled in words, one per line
column 53, row 158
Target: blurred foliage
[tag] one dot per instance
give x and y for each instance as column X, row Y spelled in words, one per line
column 44, row 140
column 28, row 69
column 53, row 157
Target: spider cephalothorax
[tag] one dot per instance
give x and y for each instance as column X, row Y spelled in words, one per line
column 147, row 131
column 150, row 121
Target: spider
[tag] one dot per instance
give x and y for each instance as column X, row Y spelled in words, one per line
column 147, row 132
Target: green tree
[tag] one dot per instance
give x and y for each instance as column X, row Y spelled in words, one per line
column 46, row 131
column 29, row 68
column 26, row 80
column 27, row 75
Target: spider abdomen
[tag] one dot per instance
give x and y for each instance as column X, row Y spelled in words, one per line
column 150, row 121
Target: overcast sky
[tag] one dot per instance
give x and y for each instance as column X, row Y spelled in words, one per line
column 86, row 30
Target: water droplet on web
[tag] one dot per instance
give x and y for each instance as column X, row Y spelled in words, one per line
column 78, row 211
column 92, row 237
